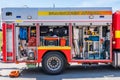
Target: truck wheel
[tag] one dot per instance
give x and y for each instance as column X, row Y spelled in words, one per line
column 53, row 63
column 116, row 62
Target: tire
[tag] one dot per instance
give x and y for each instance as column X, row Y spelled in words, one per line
column 116, row 57
column 53, row 63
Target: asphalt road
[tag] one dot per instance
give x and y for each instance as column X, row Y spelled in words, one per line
column 72, row 73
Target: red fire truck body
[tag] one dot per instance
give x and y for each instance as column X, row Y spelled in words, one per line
column 57, row 37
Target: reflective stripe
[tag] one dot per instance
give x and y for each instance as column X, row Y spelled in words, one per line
column 19, row 21
column 117, row 34
column 54, row 47
column 51, row 13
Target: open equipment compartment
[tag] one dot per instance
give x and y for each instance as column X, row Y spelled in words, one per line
column 26, row 43
column 54, row 35
column 91, row 42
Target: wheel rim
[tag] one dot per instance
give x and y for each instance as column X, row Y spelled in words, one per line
column 53, row 63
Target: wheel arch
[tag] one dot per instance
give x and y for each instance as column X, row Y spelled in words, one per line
column 61, row 52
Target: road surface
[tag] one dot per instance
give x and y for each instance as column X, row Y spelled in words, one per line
column 72, row 73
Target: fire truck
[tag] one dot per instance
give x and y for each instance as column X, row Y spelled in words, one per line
column 57, row 37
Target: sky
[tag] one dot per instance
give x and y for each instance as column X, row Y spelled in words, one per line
column 115, row 4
